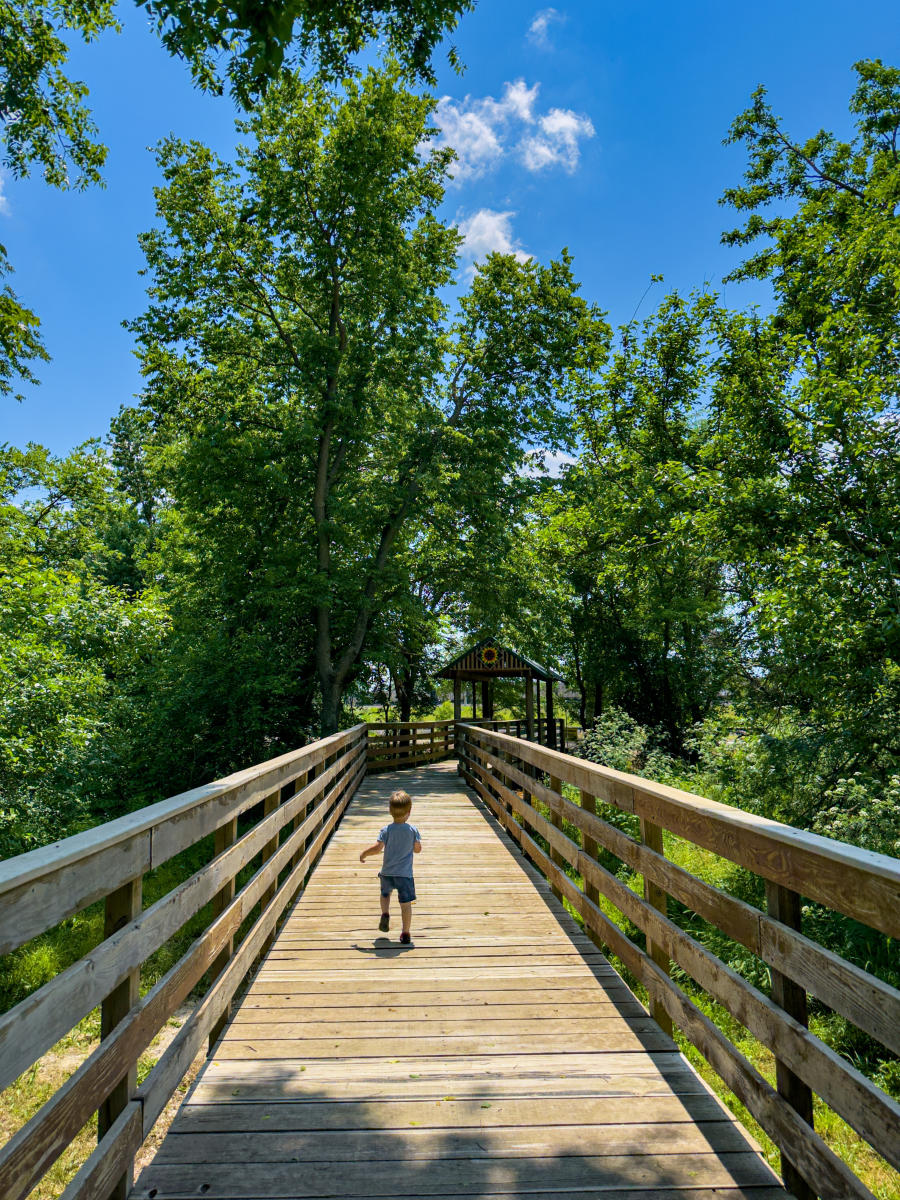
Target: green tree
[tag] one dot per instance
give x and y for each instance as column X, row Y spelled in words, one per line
column 808, row 430
column 303, row 366
column 631, row 531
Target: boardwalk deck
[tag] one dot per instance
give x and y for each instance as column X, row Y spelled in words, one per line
column 499, row 1056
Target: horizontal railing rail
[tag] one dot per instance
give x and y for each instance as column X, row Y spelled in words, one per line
column 393, row 745
column 289, row 805
column 524, row 786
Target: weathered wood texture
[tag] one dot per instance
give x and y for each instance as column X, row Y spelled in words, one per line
column 282, row 841
column 500, row 1055
column 502, row 770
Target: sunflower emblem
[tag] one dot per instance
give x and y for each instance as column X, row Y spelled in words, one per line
column 489, row 656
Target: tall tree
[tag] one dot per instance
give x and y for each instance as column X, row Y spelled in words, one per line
column 297, row 333
column 632, row 530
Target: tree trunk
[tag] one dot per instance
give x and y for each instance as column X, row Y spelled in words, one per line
column 331, row 708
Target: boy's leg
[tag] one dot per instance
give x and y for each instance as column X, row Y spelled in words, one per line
column 406, row 916
column 385, row 903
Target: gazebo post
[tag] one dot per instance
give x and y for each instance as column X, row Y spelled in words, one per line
column 551, row 725
column 537, row 688
column 474, row 712
column 457, row 698
column 529, row 706
column 487, row 708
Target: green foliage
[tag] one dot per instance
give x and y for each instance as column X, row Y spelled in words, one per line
column 68, row 644
column 616, row 740
column 20, row 342
column 258, row 40
column 42, row 110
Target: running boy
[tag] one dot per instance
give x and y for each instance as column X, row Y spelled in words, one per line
column 398, row 842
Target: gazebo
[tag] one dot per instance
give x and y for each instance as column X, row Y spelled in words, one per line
column 487, row 661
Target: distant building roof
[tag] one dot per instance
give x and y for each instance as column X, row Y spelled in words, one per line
column 489, row 660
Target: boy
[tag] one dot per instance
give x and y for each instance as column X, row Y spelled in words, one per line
column 398, row 842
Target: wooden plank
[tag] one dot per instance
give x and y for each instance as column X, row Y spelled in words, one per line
column 476, row 1177
column 265, row 1145
column 647, row 1037
column 464, row 1009
column 43, row 899
column 267, row 1029
column 544, row 1112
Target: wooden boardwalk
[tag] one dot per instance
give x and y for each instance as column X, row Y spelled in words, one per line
column 499, row 1056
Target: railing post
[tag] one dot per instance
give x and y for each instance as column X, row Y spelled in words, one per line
column 122, row 907
column 652, row 837
column 299, row 784
column 783, row 905
column 270, row 803
column 225, row 836
column 556, row 821
column 589, row 845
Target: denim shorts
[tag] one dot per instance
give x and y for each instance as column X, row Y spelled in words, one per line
column 406, row 888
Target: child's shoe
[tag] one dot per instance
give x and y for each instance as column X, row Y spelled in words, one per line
column 405, row 939
column 385, row 923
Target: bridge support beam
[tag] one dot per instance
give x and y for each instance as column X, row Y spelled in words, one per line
column 652, row 837
column 225, row 836
column 784, row 905
column 122, row 907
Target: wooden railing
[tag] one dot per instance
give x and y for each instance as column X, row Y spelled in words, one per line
column 289, row 806
column 514, row 777
column 396, row 744
column 393, row 745
column 547, row 732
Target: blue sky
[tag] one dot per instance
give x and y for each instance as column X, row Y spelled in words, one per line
column 588, row 125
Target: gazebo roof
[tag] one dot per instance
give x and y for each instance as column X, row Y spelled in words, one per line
column 503, row 663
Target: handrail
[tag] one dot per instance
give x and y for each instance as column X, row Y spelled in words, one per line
column 394, row 745
column 301, row 796
column 514, row 777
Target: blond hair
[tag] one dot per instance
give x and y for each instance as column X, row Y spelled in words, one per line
column 401, row 803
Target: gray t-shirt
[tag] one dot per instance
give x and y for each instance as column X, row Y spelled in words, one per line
column 398, row 840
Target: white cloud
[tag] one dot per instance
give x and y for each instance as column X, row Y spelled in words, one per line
column 556, row 142
column 477, row 128
column 538, row 29
column 4, row 203
column 484, row 232
column 549, row 462
column 482, row 131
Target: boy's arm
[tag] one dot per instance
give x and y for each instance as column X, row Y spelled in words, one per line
column 417, row 847
column 376, row 849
